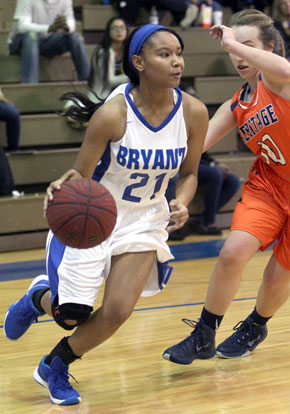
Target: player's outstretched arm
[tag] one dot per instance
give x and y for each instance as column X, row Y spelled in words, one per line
column 220, row 125
column 274, row 68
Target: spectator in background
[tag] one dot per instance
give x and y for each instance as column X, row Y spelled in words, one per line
column 10, row 115
column 106, row 63
column 281, row 17
column 184, row 11
column 6, row 177
column 106, row 66
column 220, row 185
column 46, row 27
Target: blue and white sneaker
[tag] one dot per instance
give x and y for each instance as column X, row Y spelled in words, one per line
column 22, row 313
column 200, row 344
column 55, row 377
column 241, row 343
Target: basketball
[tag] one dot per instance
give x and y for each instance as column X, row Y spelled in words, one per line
column 82, row 213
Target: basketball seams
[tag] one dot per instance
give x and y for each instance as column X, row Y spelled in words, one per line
column 102, row 208
column 77, row 191
column 71, row 219
column 96, row 197
column 86, row 219
column 66, row 222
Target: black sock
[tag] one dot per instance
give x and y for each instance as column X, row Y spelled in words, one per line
column 210, row 319
column 64, row 351
column 258, row 319
column 36, row 298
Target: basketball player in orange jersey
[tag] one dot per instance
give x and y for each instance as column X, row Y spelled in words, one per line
column 134, row 143
column 261, row 111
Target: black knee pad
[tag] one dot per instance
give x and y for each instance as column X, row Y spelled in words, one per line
column 74, row 311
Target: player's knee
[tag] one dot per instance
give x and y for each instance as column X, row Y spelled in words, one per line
column 116, row 315
column 71, row 315
column 276, row 281
column 230, row 256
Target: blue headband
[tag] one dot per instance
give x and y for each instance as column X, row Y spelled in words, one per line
column 139, row 38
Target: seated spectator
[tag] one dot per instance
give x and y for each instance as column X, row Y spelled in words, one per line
column 10, row 115
column 106, row 63
column 6, row 178
column 7, row 187
column 281, row 17
column 184, row 11
column 220, row 185
column 46, row 27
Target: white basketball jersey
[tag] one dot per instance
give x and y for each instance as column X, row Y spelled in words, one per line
column 137, row 168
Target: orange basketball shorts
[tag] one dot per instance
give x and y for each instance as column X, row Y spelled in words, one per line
column 264, row 210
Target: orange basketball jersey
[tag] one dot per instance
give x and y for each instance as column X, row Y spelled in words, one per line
column 263, row 125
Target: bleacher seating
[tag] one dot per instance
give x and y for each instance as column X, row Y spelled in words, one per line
column 81, row 3
column 7, row 8
column 3, row 40
column 95, row 17
column 61, row 68
column 41, row 167
column 55, row 144
column 39, row 97
column 47, row 130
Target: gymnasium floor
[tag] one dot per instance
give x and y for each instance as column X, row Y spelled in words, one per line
column 127, row 374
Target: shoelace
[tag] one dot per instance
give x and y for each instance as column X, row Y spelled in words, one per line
column 190, row 322
column 61, row 378
column 190, row 341
column 241, row 334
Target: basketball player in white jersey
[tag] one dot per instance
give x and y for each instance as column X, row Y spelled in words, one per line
column 135, row 142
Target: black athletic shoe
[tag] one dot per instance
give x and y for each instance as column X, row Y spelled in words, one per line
column 178, row 235
column 196, row 227
column 200, row 344
column 214, row 231
column 241, row 343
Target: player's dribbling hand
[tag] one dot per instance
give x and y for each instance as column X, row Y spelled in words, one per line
column 55, row 186
column 178, row 215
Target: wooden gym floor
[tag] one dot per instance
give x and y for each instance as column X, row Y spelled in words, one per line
column 127, row 374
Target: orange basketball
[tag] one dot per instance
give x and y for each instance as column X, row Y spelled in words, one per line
column 82, row 213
